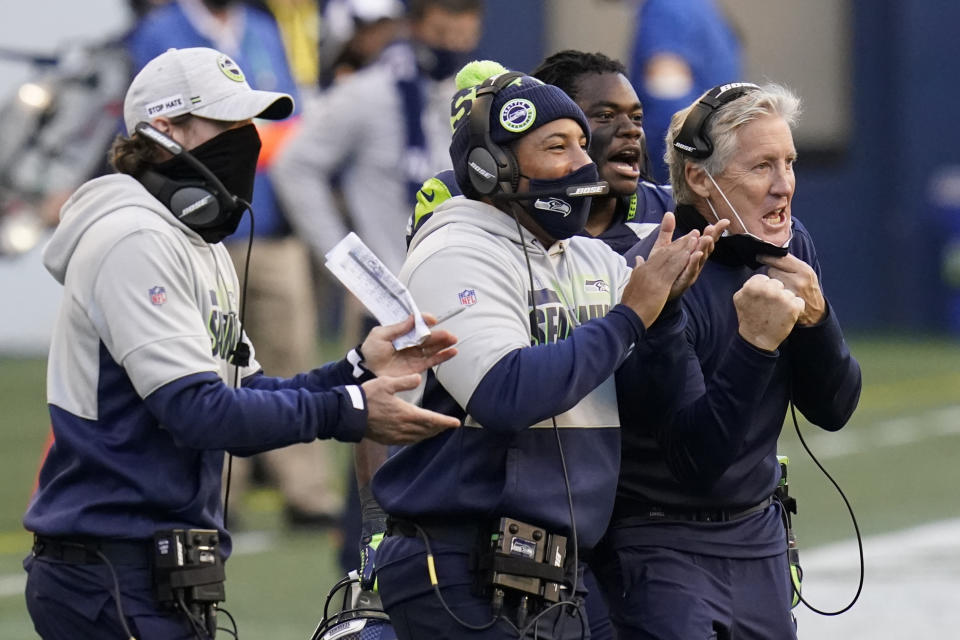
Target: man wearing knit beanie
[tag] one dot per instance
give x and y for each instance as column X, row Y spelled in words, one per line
column 547, row 318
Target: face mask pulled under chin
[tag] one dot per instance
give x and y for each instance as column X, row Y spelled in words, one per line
column 232, row 157
column 745, row 246
column 559, row 215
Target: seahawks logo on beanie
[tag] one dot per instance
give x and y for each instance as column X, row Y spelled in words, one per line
column 523, row 105
column 517, row 115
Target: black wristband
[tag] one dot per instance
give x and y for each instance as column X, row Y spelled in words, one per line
column 360, row 371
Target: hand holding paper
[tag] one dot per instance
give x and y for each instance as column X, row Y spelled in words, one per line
column 366, row 277
column 384, row 360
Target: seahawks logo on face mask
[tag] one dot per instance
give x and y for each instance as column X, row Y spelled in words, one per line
column 553, row 205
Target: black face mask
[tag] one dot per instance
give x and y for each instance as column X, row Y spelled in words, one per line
column 439, row 63
column 744, row 249
column 232, row 157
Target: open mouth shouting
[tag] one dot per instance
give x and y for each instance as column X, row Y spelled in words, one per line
column 626, row 162
column 775, row 220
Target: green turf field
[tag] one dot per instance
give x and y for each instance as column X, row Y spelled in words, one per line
column 896, row 462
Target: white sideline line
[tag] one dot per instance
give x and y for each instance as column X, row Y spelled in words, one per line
column 910, row 586
column 12, row 585
column 897, row 432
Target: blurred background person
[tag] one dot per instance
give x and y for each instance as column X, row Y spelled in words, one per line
column 367, row 144
column 599, row 85
column 381, row 132
column 681, row 48
column 299, row 23
column 353, row 33
column 141, row 8
column 281, row 312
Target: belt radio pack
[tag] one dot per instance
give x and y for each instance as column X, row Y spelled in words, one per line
column 782, row 494
column 188, row 573
column 523, row 563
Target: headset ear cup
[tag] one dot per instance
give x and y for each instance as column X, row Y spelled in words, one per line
column 490, row 167
column 193, row 204
column 483, row 171
column 196, row 207
column 691, row 140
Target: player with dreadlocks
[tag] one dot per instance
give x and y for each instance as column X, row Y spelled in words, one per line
column 599, row 86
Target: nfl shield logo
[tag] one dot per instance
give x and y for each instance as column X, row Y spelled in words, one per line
column 158, row 295
column 468, row 297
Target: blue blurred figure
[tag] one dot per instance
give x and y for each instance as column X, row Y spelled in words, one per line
column 681, row 49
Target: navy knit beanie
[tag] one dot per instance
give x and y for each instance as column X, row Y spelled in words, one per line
column 519, row 108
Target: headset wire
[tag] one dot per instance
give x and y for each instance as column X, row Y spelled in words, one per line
column 236, row 364
column 853, row 518
column 195, row 624
column 563, row 462
column 432, row 570
column 234, row 632
column 116, row 587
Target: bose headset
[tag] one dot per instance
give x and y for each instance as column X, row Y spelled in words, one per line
column 692, row 140
column 199, row 205
column 492, row 168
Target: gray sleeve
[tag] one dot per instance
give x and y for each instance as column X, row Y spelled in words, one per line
column 329, row 133
column 496, row 320
column 155, row 343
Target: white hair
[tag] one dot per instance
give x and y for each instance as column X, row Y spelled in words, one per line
column 722, row 130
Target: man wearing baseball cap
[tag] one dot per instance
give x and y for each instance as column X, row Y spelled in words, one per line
column 150, row 378
column 531, row 476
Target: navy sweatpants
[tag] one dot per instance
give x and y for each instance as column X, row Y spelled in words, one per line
column 76, row 602
column 671, row 595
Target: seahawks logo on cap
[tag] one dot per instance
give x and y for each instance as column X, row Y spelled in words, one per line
column 230, row 68
column 517, row 115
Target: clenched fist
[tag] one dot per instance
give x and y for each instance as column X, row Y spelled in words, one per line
column 799, row 277
column 767, row 311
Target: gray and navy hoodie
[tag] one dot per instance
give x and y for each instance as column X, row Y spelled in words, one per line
column 143, row 400
column 527, row 356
